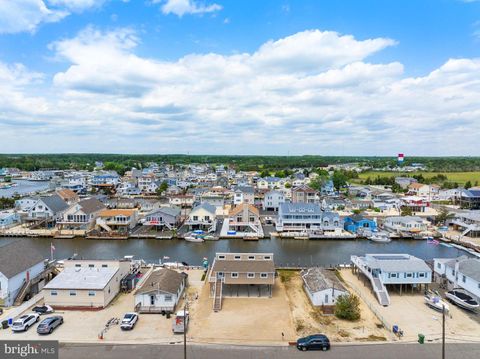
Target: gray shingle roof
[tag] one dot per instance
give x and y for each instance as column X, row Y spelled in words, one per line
column 172, row 211
column 471, row 268
column 17, row 257
column 163, row 279
column 55, row 203
column 91, row 205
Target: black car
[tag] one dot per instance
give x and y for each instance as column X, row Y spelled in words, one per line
column 48, row 325
column 314, row 342
column 43, row 309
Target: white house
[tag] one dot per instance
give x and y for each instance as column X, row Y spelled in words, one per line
column 458, row 272
column 273, row 200
column 405, row 223
column 271, row 183
column 51, row 207
column 244, row 194
column 322, row 286
column 19, row 263
column 160, row 292
column 202, row 217
column 82, row 214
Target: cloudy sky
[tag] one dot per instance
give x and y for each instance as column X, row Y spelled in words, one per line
column 369, row 77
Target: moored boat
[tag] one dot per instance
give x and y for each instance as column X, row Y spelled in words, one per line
column 462, row 298
column 380, row 237
column 436, row 302
column 194, row 238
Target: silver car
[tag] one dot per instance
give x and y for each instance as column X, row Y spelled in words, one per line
column 48, row 325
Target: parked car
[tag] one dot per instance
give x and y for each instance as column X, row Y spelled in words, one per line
column 129, row 320
column 314, row 342
column 24, row 322
column 48, row 325
column 43, row 309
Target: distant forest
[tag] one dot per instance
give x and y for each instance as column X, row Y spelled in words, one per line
column 123, row 162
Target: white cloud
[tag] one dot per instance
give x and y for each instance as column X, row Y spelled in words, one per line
column 77, row 5
column 313, row 92
column 182, row 7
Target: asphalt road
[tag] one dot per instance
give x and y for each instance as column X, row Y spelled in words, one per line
column 379, row 351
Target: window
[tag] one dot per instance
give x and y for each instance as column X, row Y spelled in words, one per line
column 421, row 275
column 152, row 300
column 207, row 218
column 464, row 279
column 221, row 257
column 104, row 265
column 251, row 258
column 326, row 298
column 78, row 265
column 195, row 218
column 263, row 275
column 53, row 292
column 453, row 271
column 408, row 275
column 91, row 293
column 393, row 275
column 91, row 266
column 237, row 258
column 250, row 275
column 168, row 298
column 73, row 293
column 267, row 257
column 439, row 265
column 234, row 275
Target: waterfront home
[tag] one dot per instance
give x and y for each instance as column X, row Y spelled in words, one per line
column 181, row 200
column 8, row 218
column 415, row 203
column 202, row 217
column 243, row 194
column 20, row 262
column 50, row 208
column 405, row 224
column 322, row 286
column 467, row 222
column 216, row 200
column 400, row 270
column 355, row 222
column 117, row 220
column 272, row 200
column 68, row 195
column 81, row 215
column 160, row 292
column 163, row 217
column 24, row 204
column 241, row 275
column 245, row 218
column 426, row 191
column 469, row 198
column 404, row 182
column 462, row 272
column 86, row 284
column 301, row 217
column 304, row 194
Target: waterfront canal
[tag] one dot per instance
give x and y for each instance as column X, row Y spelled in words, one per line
column 23, row 187
column 287, row 252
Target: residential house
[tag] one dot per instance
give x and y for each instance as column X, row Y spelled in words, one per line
column 117, row 220
column 300, row 217
column 304, row 194
column 68, row 195
column 462, row 272
column 469, row 199
column 8, row 218
column 405, row 224
column 181, row 200
column 245, row 218
column 24, row 204
column 243, row 194
column 404, row 182
column 19, row 263
column 82, row 215
column 272, row 200
column 168, row 217
column 415, row 203
column 357, row 223
column 160, row 292
column 202, row 217
column 146, row 181
column 49, row 208
column 467, row 222
column 86, row 284
column 322, row 286
column 429, row 192
column 271, row 183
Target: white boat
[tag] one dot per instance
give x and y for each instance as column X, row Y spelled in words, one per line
column 461, row 298
column 380, row 237
column 195, row 239
column 436, row 302
column 210, row 238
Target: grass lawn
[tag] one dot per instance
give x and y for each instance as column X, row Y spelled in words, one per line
column 459, row 177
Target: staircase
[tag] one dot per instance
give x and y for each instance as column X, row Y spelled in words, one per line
column 23, row 292
column 103, row 224
column 377, row 284
column 217, row 298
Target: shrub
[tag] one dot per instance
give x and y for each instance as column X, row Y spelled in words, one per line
column 347, row 307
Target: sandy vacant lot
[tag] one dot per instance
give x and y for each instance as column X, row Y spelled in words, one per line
column 309, row 319
column 243, row 320
column 410, row 313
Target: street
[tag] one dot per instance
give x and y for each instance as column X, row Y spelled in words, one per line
column 379, row 351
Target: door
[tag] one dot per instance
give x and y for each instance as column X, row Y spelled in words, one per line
column 28, row 276
column 152, row 300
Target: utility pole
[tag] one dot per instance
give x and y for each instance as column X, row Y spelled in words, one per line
column 185, row 308
column 443, row 332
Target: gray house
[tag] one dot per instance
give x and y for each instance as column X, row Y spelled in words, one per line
column 19, row 264
column 47, row 208
column 168, row 217
column 273, row 200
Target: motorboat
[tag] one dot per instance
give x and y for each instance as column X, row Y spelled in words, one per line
column 194, row 238
column 461, row 298
column 380, row 237
column 434, row 301
column 210, row 238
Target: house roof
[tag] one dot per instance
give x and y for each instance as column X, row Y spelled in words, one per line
column 163, row 279
column 171, row 211
column 91, row 205
column 17, row 257
column 309, row 208
column 66, row 194
column 317, row 279
column 304, row 188
column 54, row 203
column 239, row 208
column 117, row 212
column 206, row 206
column 471, row 268
column 416, row 185
column 82, row 278
column 245, row 189
column 396, row 263
column 243, row 266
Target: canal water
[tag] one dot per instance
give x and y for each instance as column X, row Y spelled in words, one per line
column 24, row 187
column 287, row 252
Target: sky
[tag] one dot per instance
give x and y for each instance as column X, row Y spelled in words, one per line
column 275, row 77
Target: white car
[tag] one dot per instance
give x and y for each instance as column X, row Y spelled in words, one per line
column 24, row 322
column 129, row 320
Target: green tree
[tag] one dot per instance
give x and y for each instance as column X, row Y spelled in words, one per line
column 443, row 215
column 162, row 188
column 348, row 307
column 406, row 211
column 468, row 185
column 339, row 180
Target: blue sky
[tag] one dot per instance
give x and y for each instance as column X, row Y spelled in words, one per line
column 241, row 77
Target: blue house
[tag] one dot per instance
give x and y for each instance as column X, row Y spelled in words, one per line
column 353, row 223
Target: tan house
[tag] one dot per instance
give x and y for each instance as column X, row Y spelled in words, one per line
column 241, row 275
column 304, row 194
column 86, row 284
column 120, row 220
column 245, row 218
column 68, row 195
